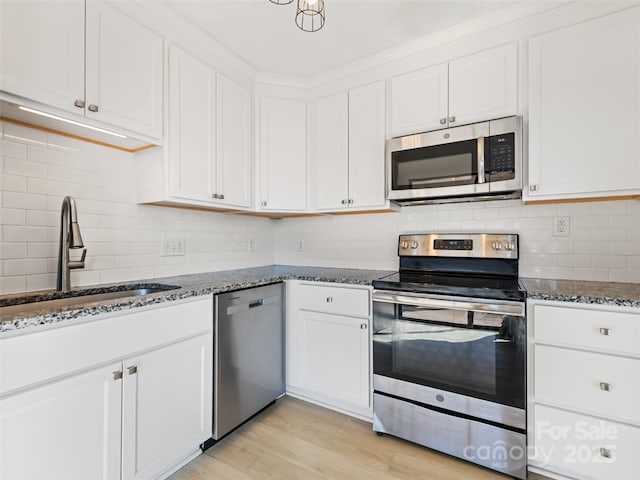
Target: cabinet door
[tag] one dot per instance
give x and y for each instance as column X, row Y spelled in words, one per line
column 334, row 359
column 419, row 101
column 77, row 421
column 42, row 51
column 483, row 86
column 366, row 146
column 124, row 71
column 192, row 97
column 167, row 406
column 283, row 154
column 331, row 161
column 584, row 92
column 233, row 143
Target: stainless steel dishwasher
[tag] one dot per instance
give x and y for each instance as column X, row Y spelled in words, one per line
column 249, row 369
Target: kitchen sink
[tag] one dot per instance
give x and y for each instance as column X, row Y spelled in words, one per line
column 55, row 300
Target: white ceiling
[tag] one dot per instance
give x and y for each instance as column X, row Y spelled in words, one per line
column 265, row 34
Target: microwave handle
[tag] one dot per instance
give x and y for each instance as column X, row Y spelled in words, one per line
column 480, row 146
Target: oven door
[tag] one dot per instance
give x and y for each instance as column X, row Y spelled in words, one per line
column 472, row 348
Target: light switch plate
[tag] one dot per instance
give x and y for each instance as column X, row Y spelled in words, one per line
column 173, row 247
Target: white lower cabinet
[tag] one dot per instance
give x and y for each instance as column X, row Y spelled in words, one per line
column 584, row 394
column 136, row 417
column 328, row 345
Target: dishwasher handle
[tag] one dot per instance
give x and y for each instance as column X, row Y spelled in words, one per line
column 243, row 307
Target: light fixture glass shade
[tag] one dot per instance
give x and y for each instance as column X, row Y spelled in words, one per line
column 310, row 15
column 281, row 2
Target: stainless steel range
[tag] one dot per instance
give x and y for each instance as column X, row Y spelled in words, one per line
column 449, row 349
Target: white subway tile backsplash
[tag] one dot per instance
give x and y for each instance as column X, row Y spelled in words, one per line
column 13, row 149
column 12, row 216
column 13, row 250
column 26, row 201
column 24, row 135
column 17, row 166
column 25, row 267
column 13, row 284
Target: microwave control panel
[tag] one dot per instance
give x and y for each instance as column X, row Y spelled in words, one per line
column 501, row 153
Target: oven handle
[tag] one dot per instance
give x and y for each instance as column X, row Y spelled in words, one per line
column 469, row 304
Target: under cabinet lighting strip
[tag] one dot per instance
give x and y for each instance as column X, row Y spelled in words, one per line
column 72, row 122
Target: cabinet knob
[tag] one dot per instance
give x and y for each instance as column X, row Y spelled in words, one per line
column 343, row 202
column 93, row 108
column 117, row 375
column 533, row 188
column 605, row 331
column 263, row 203
column 132, row 370
column 329, row 299
column 363, row 326
column 221, row 196
column 605, row 387
column 605, row 452
column 443, row 121
column 214, row 195
column 350, row 201
column 79, row 103
column 452, row 119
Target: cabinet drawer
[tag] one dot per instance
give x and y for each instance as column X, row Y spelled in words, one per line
column 37, row 357
column 337, row 300
column 588, row 328
column 602, row 384
column 571, row 444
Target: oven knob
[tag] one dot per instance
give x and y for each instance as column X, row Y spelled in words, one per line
column 414, row 244
column 496, row 246
column 508, row 246
column 404, row 245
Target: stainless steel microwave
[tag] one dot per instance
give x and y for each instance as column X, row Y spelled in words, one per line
column 471, row 162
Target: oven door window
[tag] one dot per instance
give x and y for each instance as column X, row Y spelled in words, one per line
column 435, row 166
column 481, row 355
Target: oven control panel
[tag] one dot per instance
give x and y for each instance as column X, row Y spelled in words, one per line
column 476, row 245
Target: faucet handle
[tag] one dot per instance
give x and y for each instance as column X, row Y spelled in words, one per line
column 79, row 263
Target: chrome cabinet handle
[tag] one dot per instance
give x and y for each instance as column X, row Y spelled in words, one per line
column 605, row 387
column 214, row 195
column 350, row 201
column 605, row 452
column 79, row 103
column 443, row 121
column 132, row 370
column 343, row 202
column 117, row 375
column 452, row 119
column 363, row 326
column 221, row 196
column 605, row 331
column 533, row 188
column 263, row 203
column 329, row 299
column 93, row 108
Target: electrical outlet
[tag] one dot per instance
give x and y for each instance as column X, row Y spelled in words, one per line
column 172, row 247
column 561, row 226
column 301, row 245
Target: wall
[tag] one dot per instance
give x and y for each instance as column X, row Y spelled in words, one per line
column 123, row 239
column 604, row 241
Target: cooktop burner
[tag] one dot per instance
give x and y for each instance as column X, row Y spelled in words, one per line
column 497, row 288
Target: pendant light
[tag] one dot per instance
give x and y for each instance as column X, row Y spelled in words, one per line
column 310, row 15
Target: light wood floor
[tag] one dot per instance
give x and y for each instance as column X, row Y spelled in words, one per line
column 296, row 440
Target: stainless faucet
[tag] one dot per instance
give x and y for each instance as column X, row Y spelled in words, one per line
column 69, row 238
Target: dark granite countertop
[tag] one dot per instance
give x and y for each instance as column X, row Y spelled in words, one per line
column 577, row 291
column 189, row 286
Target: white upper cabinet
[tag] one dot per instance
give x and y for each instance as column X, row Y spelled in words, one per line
column 283, row 155
column 192, row 116
column 331, row 161
column 419, row 101
column 42, row 51
column 107, row 68
column 349, row 160
column 584, row 93
column 209, row 135
column 123, row 71
column 233, row 184
column 466, row 90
